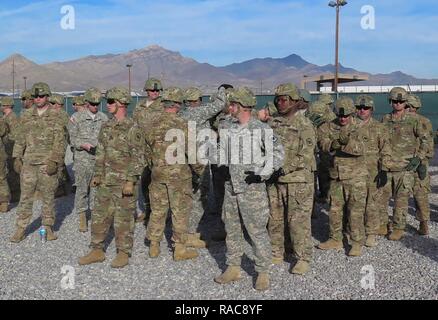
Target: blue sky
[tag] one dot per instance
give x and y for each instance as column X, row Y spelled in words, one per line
column 221, row 32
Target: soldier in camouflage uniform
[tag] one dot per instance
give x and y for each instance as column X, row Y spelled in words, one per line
column 376, row 149
column 26, row 100
column 171, row 185
column 291, row 189
column 78, row 103
column 5, row 194
column 409, row 142
column 344, row 138
column 12, row 123
column 328, row 101
column 144, row 114
column 246, row 198
column 422, row 177
column 38, row 154
column 57, row 104
column 84, row 139
column 119, row 162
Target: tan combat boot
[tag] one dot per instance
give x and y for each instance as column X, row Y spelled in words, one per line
column 120, row 260
column 95, row 255
column 383, row 230
column 424, row 228
column 230, row 275
column 301, row 267
column 396, row 235
column 19, row 235
column 194, row 241
column 83, row 227
column 4, row 207
column 262, row 282
column 51, row 236
column 181, row 252
column 154, row 249
column 277, row 260
column 331, row 244
column 356, row 250
column 371, row 241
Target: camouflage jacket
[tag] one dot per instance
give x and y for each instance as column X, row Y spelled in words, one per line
column 427, row 125
column 12, row 123
column 349, row 162
column 120, row 152
column 298, row 137
column 145, row 115
column 3, row 133
column 41, row 138
column 251, row 147
column 407, row 138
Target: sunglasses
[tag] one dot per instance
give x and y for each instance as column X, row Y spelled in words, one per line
column 110, row 101
column 153, row 90
column 94, row 104
column 40, row 96
column 343, row 116
column 397, row 102
column 363, row 108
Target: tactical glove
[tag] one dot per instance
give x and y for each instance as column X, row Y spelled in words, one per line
column 413, row 164
column 252, row 177
column 275, row 176
column 128, row 189
column 18, row 165
column 343, row 138
column 92, row 151
column 335, row 145
column 382, row 179
column 52, row 168
column 96, row 181
column 422, row 172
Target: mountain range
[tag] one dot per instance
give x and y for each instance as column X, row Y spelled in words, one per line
column 105, row 71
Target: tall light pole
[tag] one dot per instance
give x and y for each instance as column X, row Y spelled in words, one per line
column 25, row 84
column 13, row 78
column 337, row 4
column 129, row 76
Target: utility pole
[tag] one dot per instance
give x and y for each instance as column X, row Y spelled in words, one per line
column 13, row 78
column 261, row 87
column 129, row 76
column 25, row 85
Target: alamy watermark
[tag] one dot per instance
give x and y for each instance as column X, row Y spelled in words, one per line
column 68, row 20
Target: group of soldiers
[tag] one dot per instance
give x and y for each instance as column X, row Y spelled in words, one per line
column 323, row 151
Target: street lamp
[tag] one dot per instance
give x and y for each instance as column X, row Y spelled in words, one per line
column 25, row 85
column 337, row 4
column 129, row 76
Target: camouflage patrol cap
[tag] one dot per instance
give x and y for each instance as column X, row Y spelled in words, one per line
column 244, row 96
column 345, row 106
column 414, row 101
column 7, row 101
column 78, row 100
column 364, row 100
column 192, row 94
column 26, row 95
column 318, row 108
column 153, row 84
column 398, row 94
column 288, row 89
column 93, row 95
column 41, row 89
column 305, row 95
column 173, row 94
column 57, row 99
column 326, row 98
column 119, row 94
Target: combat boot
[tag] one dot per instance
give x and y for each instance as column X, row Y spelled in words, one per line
column 51, row 236
column 331, row 244
column 154, row 249
column 230, row 275
column 83, row 222
column 383, row 230
column 301, row 267
column 424, row 228
column 396, row 235
column 120, row 260
column 194, row 241
column 371, row 241
column 4, row 207
column 181, row 252
column 277, row 259
column 356, row 250
column 19, row 235
column 95, row 255
column 262, row 282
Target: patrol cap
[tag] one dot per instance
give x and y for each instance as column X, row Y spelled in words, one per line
column 192, row 94
column 318, row 108
column 78, row 100
column 364, row 100
column 153, row 84
column 398, row 94
column 56, row 99
column 345, row 106
column 414, row 101
column 26, row 95
column 119, row 94
column 41, row 89
column 244, row 96
column 7, row 101
column 173, row 94
column 93, row 95
column 287, row 89
column 326, row 98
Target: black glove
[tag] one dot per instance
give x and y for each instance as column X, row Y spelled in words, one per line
column 381, row 179
column 413, row 164
column 275, row 176
column 93, row 151
column 252, row 177
column 196, row 182
column 225, row 86
column 422, row 172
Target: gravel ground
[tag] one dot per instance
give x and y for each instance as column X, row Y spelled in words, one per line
column 32, row 270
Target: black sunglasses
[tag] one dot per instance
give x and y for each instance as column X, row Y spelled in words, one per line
column 110, row 101
column 397, row 101
column 343, row 115
column 363, row 108
column 94, row 104
column 40, row 96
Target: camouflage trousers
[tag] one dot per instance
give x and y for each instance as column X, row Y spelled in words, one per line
column 400, row 186
column 323, row 174
column 348, row 196
column 200, row 199
column 5, row 194
column 218, row 179
column 34, row 178
column 252, row 208
column 373, row 200
column 85, row 195
column 13, row 181
column 295, row 202
column 421, row 197
column 111, row 207
column 144, row 201
column 175, row 196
